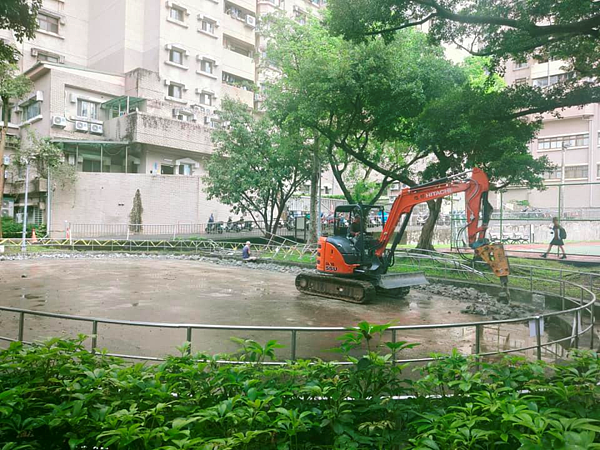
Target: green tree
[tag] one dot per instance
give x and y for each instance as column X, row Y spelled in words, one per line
column 19, row 16
column 12, row 87
column 396, row 106
column 256, row 166
column 357, row 97
column 135, row 216
column 46, row 158
column 565, row 30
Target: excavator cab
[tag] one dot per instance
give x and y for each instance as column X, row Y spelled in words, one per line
column 351, row 227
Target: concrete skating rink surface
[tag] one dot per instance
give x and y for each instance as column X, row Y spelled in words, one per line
column 178, row 291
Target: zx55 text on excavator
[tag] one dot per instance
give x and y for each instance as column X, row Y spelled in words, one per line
column 352, row 265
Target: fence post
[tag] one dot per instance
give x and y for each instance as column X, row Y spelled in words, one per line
column 188, row 339
column 577, row 318
column 530, row 279
column 538, row 338
column 94, row 336
column 21, row 326
column 293, row 344
column 394, row 337
column 592, row 327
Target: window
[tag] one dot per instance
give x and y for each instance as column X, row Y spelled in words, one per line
column 177, row 14
column 175, row 90
column 31, row 110
column 167, row 170
column 520, row 81
column 47, row 23
column 207, row 66
column 520, row 65
column 87, row 109
column 90, row 165
column 553, row 174
column 300, row 18
column 206, row 99
column 238, row 47
column 554, row 143
column 2, row 115
column 185, row 169
column 236, row 81
column 561, row 78
column 576, row 172
column 208, row 26
column 48, row 57
column 176, row 56
column 553, row 79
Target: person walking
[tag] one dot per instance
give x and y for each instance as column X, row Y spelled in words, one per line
column 559, row 235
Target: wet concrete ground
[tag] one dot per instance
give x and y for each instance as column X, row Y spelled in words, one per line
column 198, row 292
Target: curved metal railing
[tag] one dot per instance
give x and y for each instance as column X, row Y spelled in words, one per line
column 577, row 303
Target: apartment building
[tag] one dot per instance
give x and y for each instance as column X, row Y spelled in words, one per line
column 130, row 90
column 570, row 141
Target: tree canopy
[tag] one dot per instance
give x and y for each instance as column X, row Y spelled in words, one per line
column 565, row 30
column 19, row 16
column 400, row 108
column 256, row 166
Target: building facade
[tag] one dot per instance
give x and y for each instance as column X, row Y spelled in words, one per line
column 130, row 90
column 569, row 140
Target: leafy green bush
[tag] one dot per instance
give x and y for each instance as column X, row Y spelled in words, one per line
column 12, row 229
column 57, row 395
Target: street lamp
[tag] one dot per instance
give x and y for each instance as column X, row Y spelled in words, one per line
column 561, row 193
column 24, row 233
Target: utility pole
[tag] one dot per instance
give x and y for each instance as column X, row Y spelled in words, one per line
column 24, row 233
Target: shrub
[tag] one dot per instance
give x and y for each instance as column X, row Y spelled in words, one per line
column 57, row 395
column 14, row 230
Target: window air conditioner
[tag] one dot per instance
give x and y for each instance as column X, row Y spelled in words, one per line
column 73, row 98
column 34, row 52
column 39, row 96
column 59, row 121
column 251, row 21
column 6, row 160
column 97, row 128
column 81, row 126
column 206, row 120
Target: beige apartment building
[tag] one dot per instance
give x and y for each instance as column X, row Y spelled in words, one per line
column 570, row 141
column 130, row 89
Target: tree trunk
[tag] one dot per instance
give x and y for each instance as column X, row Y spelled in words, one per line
column 315, row 177
column 5, row 106
column 435, row 206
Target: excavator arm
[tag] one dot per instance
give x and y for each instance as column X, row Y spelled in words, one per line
column 477, row 209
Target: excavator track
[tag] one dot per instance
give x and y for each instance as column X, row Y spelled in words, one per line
column 346, row 289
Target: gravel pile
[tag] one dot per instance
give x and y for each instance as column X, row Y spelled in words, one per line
column 480, row 303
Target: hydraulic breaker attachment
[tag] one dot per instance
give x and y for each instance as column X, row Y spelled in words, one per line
column 495, row 257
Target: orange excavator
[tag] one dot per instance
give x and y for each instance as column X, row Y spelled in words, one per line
column 352, row 265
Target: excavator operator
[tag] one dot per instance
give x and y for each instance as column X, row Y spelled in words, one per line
column 355, row 226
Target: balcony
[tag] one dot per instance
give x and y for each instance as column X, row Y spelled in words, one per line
column 575, row 112
column 237, row 93
column 239, row 29
column 238, row 64
column 250, row 5
column 160, row 131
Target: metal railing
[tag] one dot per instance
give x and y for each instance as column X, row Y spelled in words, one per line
column 577, row 303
